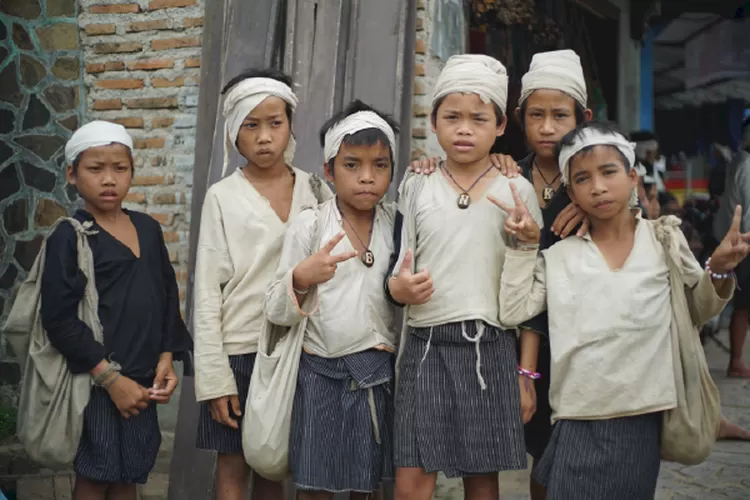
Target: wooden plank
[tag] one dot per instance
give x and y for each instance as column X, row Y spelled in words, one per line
column 33, row 488
column 63, row 487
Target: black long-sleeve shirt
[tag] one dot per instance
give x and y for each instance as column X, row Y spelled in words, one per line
column 138, row 299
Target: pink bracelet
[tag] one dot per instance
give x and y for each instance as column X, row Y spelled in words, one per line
column 529, row 374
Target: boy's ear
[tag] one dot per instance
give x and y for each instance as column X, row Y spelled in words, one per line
column 634, row 177
column 70, row 175
column 501, row 126
column 588, row 114
column 517, row 112
column 328, row 171
column 432, row 125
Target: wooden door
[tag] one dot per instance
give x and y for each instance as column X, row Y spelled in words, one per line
column 335, row 50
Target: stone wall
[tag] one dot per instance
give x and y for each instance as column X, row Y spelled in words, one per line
column 41, row 84
column 143, row 70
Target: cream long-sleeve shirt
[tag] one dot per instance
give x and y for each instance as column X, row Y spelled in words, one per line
column 238, row 252
column 351, row 314
column 609, row 330
column 463, row 249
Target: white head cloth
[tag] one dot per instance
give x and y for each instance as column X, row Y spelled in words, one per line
column 557, row 70
column 242, row 99
column 352, row 124
column 589, row 137
column 476, row 74
column 95, row 134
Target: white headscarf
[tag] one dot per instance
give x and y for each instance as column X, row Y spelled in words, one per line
column 558, row 70
column 95, row 134
column 242, row 99
column 590, row 137
column 476, row 74
column 352, row 124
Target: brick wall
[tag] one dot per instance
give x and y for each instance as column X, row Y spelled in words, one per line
column 427, row 67
column 142, row 70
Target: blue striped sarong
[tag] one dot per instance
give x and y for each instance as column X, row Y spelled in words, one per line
column 341, row 436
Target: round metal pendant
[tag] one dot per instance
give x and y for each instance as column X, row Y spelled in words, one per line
column 368, row 258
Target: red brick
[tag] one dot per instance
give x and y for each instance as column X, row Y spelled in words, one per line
column 158, row 161
column 95, row 68
column 149, row 180
column 192, row 62
column 162, row 218
column 151, row 64
column 164, row 199
column 419, row 70
column 107, row 104
column 135, row 198
column 100, row 29
column 162, row 122
column 419, row 133
column 419, row 88
column 420, row 23
column 169, row 4
column 117, row 48
column 120, row 8
column 159, row 24
column 420, row 4
column 190, row 22
column 174, row 257
column 176, row 43
column 164, row 82
column 419, row 47
column 124, row 84
column 152, row 103
column 420, row 111
column 114, row 66
column 171, row 237
column 130, row 122
column 150, row 143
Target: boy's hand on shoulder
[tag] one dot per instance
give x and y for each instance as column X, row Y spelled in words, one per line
column 408, row 288
column 519, row 222
column 165, row 381
column 320, row 266
column 506, row 165
column 129, row 396
column 424, row 165
column 733, row 248
column 219, row 409
column 567, row 220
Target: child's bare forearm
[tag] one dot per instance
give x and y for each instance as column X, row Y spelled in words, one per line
column 529, row 349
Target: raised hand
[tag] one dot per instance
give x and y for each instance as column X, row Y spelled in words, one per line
column 519, row 222
column 506, row 165
column 320, row 266
column 408, row 288
column 425, row 165
column 567, row 220
column 733, row 248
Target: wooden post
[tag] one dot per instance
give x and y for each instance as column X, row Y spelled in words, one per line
column 335, row 50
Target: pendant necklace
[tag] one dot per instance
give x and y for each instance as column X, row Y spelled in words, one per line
column 464, row 200
column 548, row 192
column 367, row 257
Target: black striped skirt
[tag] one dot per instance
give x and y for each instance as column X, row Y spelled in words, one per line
column 218, row 437
column 341, row 436
column 458, row 407
column 615, row 459
column 114, row 449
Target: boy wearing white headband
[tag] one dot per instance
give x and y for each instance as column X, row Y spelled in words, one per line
column 341, row 436
column 610, row 314
column 139, row 311
column 244, row 219
column 458, row 407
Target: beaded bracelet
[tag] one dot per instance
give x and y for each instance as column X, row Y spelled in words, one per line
column 717, row 276
column 529, row 374
column 108, row 383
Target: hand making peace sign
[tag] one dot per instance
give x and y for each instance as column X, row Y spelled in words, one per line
column 733, row 248
column 320, row 266
column 519, row 222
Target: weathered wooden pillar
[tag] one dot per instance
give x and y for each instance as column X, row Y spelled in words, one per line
column 335, row 50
